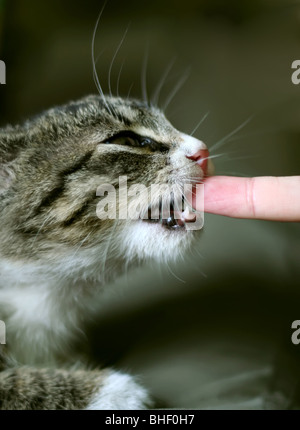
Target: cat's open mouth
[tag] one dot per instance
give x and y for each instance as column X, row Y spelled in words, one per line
column 169, row 218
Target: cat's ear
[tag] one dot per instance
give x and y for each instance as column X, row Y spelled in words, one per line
column 6, row 178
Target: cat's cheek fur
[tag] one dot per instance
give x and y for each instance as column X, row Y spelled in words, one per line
column 119, row 391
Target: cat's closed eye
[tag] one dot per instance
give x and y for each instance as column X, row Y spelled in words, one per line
column 130, row 138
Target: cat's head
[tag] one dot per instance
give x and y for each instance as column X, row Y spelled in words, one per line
column 52, row 173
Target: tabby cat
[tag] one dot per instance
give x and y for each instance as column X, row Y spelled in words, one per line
column 56, row 255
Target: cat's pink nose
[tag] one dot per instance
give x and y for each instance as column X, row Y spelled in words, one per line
column 201, row 158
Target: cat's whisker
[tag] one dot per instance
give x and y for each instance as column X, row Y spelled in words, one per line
column 156, row 95
column 184, row 166
column 160, row 272
column 129, row 91
column 199, row 254
column 43, row 224
column 177, row 87
column 194, row 177
column 173, row 274
column 95, row 75
column 199, row 270
column 213, row 156
column 119, row 77
column 113, row 59
column 242, row 157
column 199, row 123
column 82, row 242
column 126, row 270
column 194, row 181
column 98, row 56
column 224, row 154
column 225, row 139
column 144, row 76
column 253, row 133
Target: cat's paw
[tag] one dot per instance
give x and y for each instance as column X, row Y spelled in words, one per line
column 119, row 391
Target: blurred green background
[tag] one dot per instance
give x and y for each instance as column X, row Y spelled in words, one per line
column 212, row 331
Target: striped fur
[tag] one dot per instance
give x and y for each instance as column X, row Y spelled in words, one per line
column 56, row 255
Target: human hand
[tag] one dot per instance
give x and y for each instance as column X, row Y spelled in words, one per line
column 262, row 197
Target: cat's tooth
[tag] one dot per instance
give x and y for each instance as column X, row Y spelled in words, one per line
column 188, row 216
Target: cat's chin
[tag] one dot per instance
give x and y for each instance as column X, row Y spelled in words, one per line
column 155, row 240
